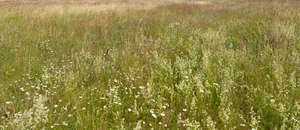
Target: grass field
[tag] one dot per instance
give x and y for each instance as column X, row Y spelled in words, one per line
column 149, row 65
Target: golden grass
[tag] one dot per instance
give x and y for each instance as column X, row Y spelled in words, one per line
column 90, row 5
column 152, row 65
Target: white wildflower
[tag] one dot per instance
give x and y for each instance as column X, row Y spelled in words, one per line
column 154, row 116
column 272, row 100
column 70, row 115
column 164, row 107
column 33, row 117
column 65, row 123
column 141, row 87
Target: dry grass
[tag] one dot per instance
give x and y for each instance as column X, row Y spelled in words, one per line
column 90, row 5
column 165, row 65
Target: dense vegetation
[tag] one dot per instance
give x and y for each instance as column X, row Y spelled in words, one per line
column 175, row 66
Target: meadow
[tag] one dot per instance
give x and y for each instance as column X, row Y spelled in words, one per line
column 221, row 65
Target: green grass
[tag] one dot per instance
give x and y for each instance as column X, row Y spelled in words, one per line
column 171, row 67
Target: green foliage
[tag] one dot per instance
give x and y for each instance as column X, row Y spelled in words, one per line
column 195, row 68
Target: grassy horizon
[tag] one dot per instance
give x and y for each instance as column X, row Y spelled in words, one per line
column 178, row 66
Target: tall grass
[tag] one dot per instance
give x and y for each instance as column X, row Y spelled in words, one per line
column 172, row 67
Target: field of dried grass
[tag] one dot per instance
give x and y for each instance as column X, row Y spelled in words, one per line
column 149, row 64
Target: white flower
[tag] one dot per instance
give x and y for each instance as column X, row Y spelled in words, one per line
column 129, row 110
column 34, row 116
column 137, row 96
column 154, row 116
column 70, row 115
column 55, row 106
column 84, row 108
column 272, row 100
column 141, row 87
column 184, row 110
column 65, row 123
column 162, row 114
column 201, row 90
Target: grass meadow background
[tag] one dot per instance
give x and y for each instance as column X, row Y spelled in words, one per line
column 229, row 65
